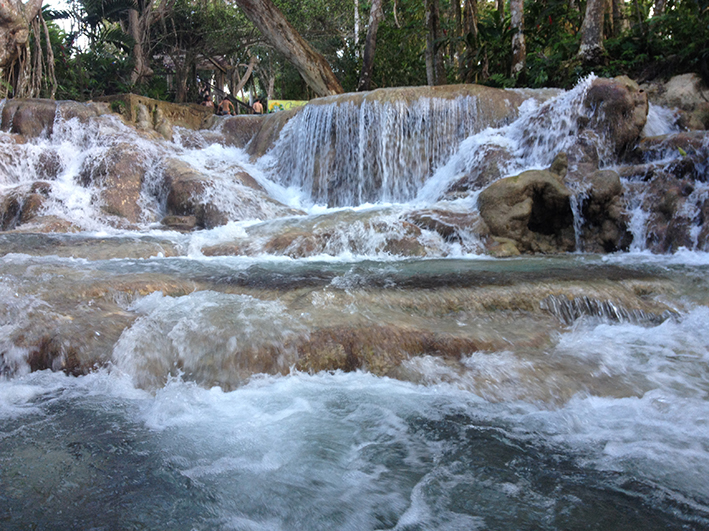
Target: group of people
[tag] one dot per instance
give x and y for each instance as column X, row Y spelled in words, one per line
column 226, row 107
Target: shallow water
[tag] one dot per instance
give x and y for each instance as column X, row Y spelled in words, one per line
column 346, row 387
column 602, row 425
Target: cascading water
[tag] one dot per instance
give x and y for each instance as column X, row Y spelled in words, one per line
column 361, row 365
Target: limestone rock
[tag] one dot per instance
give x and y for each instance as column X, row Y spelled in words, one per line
column 466, row 228
column 180, row 223
column 672, row 216
column 162, row 124
column 29, row 117
column 688, row 94
column 619, row 111
column 240, row 130
column 190, row 193
column 605, row 227
column 533, row 209
column 119, row 175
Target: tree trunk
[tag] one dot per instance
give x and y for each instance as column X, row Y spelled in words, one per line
column 659, row 8
column 501, row 8
column 617, row 18
column 519, row 49
column 15, row 63
column 282, row 35
column 456, row 16
column 141, row 68
column 375, row 16
column 235, row 86
column 591, row 50
column 356, row 23
column 435, row 73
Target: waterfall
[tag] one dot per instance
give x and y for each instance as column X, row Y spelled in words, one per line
column 354, row 149
column 660, row 121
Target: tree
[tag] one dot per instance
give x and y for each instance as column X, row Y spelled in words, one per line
column 435, row 73
column 375, row 16
column 591, row 50
column 519, row 50
column 15, row 57
column 283, row 36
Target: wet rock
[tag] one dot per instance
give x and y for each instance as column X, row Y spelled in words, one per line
column 43, row 243
column 703, row 237
column 481, row 175
column 361, row 233
column 681, row 154
column 501, row 247
column 22, row 204
column 186, row 187
column 10, row 211
column 533, row 209
column 162, row 124
column 83, row 112
column 49, row 164
column 47, row 224
column 191, row 193
column 465, row 228
column 619, row 108
column 672, row 211
column 688, row 94
column 29, row 117
column 240, row 130
column 269, row 132
column 180, row 223
column 605, row 227
column 119, row 174
column 376, row 349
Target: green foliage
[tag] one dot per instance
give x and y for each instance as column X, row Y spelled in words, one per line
column 191, row 32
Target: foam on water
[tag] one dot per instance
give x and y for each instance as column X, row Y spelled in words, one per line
column 660, row 121
column 532, row 141
column 352, row 451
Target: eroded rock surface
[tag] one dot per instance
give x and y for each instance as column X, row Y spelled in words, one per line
column 533, row 209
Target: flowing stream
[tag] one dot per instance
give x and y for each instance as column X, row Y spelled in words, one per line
column 348, row 387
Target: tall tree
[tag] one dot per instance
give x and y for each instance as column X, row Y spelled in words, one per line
column 312, row 66
column 519, row 49
column 375, row 16
column 435, row 72
column 15, row 57
column 591, row 50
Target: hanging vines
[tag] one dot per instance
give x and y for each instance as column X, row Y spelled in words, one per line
column 26, row 56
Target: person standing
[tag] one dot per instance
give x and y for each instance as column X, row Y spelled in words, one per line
column 226, row 107
column 257, row 107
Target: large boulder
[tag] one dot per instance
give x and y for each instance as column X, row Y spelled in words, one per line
column 192, row 193
column 670, row 208
column 119, row 175
column 605, row 221
column 688, row 94
column 22, row 204
column 240, row 130
column 36, row 117
column 618, row 110
column 532, row 209
column 29, row 117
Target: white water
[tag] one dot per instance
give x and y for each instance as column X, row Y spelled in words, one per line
column 351, row 451
column 603, row 421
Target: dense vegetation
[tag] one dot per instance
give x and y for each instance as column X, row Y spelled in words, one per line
column 179, row 43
